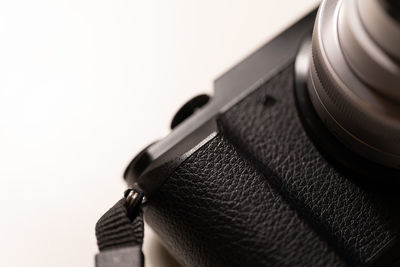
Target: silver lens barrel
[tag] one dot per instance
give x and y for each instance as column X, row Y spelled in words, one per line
column 354, row 77
column 383, row 27
column 370, row 40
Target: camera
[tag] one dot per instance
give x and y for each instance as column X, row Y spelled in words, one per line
column 295, row 159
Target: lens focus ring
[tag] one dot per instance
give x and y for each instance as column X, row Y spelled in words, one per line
column 360, row 115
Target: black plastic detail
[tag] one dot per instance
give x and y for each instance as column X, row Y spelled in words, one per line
column 269, row 101
column 139, row 163
column 189, row 109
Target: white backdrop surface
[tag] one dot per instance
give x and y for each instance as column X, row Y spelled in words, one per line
column 84, row 85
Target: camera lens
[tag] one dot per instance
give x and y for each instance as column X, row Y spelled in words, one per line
column 370, row 39
column 354, row 76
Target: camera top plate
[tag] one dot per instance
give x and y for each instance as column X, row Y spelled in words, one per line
column 153, row 165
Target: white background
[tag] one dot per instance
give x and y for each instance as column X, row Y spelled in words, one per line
column 84, row 85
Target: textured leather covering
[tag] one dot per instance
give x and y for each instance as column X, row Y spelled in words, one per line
column 260, row 194
column 359, row 222
column 216, row 210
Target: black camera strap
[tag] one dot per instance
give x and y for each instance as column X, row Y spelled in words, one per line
column 119, row 233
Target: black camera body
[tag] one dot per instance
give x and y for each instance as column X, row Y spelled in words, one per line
column 252, row 177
